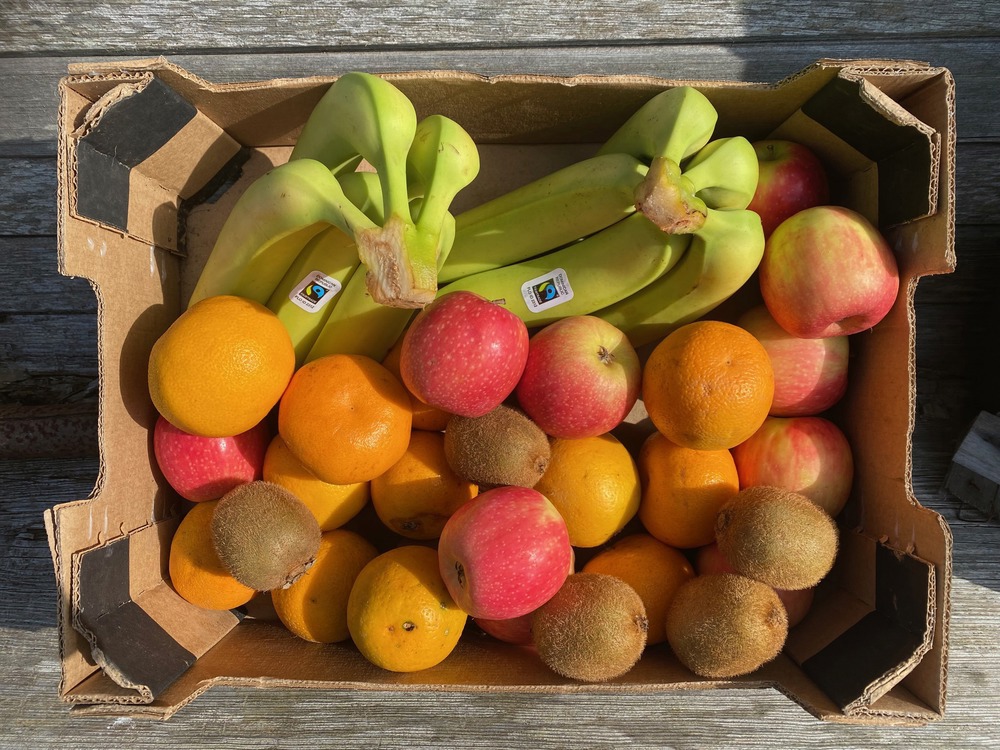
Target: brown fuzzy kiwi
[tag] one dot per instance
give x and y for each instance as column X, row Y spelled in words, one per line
column 264, row 535
column 776, row 536
column 592, row 630
column 724, row 625
column 502, row 447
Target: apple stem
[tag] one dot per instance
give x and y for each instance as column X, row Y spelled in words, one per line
column 605, row 355
column 460, row 571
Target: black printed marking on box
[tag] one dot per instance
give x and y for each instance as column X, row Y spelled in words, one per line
column 882, row 640
column 902, row 152
column 138, row 126
column 128, row 133
column 132, row 642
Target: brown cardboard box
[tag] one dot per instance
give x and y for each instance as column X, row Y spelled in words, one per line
column 145, row 150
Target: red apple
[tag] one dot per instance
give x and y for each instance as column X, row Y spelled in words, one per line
column 808, row 455
column 463, row 354
column 581, row 378
column 810, row 375
column 827, row 271
column 516, row 630
column 504, row 553
column 790, row 178
column 206, row 468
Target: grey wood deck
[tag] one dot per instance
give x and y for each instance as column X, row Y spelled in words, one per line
column 48, row 370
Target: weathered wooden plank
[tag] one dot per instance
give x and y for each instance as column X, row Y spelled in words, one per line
column 33, row 282
column 29, row 84
column 47, row 358
column 178, row 25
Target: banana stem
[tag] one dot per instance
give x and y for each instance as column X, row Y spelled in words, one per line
column 668, row 199
column 401, row 263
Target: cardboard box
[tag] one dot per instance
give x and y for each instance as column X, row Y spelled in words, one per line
column 150, row 159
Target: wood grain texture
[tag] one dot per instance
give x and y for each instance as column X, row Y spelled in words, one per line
column 48, row 341
column 176, row 25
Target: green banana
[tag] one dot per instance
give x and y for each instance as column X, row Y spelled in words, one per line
column 669, row 128
column 307, row 293
column 269, row 225
column 360, row 325
column 675, row 124
column 724, row 173
column 443, row 160
column 582, row 277
column 723, row 255
column 547, row 213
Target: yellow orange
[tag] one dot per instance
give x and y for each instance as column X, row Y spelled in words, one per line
column 333, row 505
column 315, row 606
column 400, row 614
column 594, row 484
column 418, row 493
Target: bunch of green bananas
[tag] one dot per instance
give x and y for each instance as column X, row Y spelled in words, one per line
column 649, row 233
column 314, row 226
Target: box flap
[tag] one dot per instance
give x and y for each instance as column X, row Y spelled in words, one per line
column 141, row 632
column 858, row 650
column 140, row 151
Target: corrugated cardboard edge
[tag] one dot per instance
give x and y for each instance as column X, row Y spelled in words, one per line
column 114, row 71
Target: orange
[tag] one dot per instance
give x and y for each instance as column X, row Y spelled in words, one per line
column 345, row 417
column 220, row 368
column 333, row 505
column 400, row 614
column 683, row 490
column 425, row 416
column 655, row 570
column 594, row 484
column 418, row 493
column 196, row 572
column 315, row 606
column 708, row 385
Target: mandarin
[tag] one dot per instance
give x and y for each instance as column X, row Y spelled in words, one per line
column 345, row 417
column 196, row 572
column 683, row 490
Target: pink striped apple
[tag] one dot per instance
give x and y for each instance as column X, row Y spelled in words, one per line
column 810, row 375
column 790, row 178
column 808, row 455
column 827, row 271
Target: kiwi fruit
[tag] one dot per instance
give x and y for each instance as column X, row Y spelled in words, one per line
column 264, row 535
column 723, row 625
column 592, row 630
column 502, row 447
column 777, row 536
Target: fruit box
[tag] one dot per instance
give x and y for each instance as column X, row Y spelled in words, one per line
column 150, row 161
